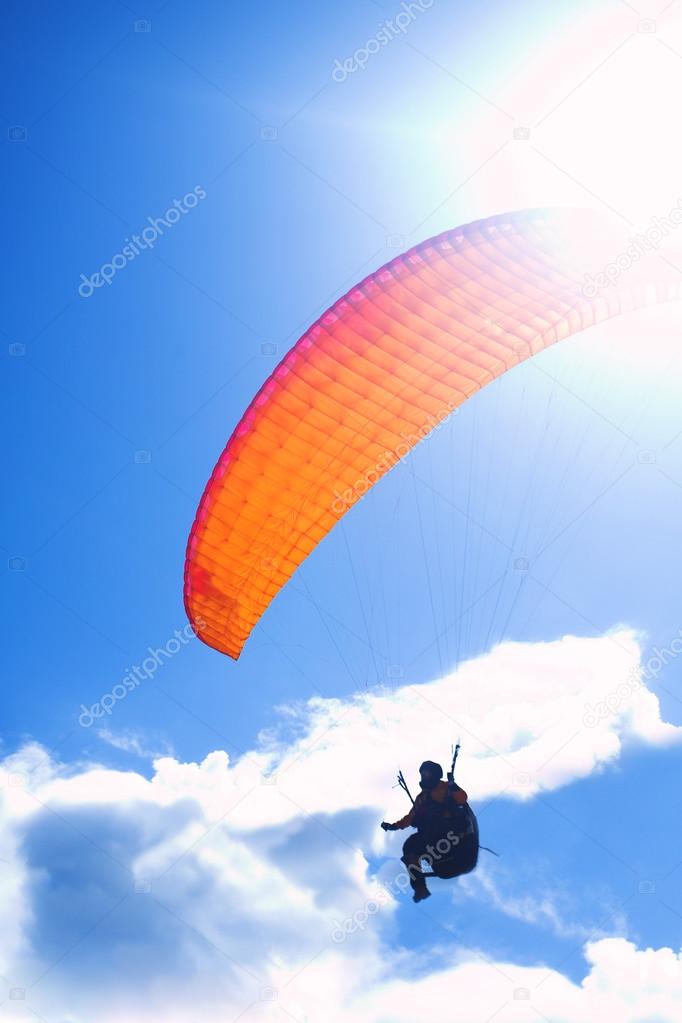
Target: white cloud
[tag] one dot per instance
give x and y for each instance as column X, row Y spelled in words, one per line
column 543, row 904
column 132, row 742
column 624, row 983
column 191, row 894
column 522, row 711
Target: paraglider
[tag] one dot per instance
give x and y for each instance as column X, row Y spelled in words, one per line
column 447, row 829
column 376, row 374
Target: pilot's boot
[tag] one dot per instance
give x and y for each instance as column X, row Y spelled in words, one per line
column 420, row 890
column 418, row 884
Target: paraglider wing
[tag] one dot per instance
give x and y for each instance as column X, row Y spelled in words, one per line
column 375, row 374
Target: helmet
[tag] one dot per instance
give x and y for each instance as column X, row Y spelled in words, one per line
column 431, row 774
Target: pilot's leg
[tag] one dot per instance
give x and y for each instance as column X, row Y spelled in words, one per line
column 413, row 849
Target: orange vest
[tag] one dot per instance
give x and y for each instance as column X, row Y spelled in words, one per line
column 439, row 794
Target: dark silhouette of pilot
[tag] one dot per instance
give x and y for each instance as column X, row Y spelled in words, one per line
column 436, row 813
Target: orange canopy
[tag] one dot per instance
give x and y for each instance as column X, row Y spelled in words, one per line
column 377, row 372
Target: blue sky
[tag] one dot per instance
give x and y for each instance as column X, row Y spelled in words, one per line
column 548, row 507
